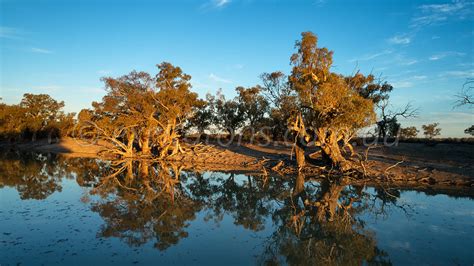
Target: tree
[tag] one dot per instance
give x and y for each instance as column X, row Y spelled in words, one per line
column 282, row 100
column 408, row 132
column 40, row 112
column 393, row 128
column 378, row 91
column 388, row 118
column 469, row 130
column 143, row 113
column 466, row 96
column 36, row 114
column 254, row 106
column 431, row 130
column 229, row 114
column 204, row 115
column 331, row 106
column 12, row 121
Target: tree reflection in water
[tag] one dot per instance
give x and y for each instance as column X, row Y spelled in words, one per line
column 34, row 176
column 318, row 225
column 315, row 222
column 141, row 201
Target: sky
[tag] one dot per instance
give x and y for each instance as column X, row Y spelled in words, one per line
column 423, row 48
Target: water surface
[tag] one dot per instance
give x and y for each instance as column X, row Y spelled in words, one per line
column 78, row 211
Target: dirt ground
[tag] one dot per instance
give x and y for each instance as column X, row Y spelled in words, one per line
column 416, row 163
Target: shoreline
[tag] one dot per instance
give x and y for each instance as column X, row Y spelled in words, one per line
column 254, row 159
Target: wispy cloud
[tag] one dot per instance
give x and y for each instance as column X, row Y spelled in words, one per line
column 409, row 62
column 440, row 13
column 400, row 39
column 320, row 3
column 442, row 55
column 368, row 57
column 221, row 3
column 218, row 79
column 402, row 84
column 409, row 81
column 458, row 74
column 40, row 51
column 215, row 4
column 10, row 33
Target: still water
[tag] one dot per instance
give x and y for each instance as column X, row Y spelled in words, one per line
column 81, row 211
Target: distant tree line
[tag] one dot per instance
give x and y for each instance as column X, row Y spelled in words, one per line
column 36, row 116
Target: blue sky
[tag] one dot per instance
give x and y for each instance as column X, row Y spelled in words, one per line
column 425, row 49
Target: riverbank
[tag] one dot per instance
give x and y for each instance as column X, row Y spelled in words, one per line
column 408, row 163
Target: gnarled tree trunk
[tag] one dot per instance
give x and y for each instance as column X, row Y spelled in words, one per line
column 145, row 143
column 130, row 140
column 300, row 134
column 328, row 202
column 330, row 149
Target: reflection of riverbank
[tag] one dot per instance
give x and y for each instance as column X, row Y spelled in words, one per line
column 162, row 206
column 224, row 160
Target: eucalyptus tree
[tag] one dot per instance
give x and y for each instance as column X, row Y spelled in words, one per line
column 431, row 130
column 143, row 113
column 332, row 107
column 282, row 101
column 40, row 111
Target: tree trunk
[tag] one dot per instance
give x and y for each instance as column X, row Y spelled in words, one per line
column 330, row 149
column 33, row 138
column 299, row 152
column 144, row 169
column 145, row 143
column 129, row 176
column 299, row 185
column 328, row 201
column 130, row 140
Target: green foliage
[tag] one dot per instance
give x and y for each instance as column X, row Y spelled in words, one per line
column 204, row 115
column 283, row 102
column 142, row 113
column 431, row 130
column 332, row 106
column 393, row 128
column 408, row 132
column 253, row 105
column 229, row 114
column 469, row 130
column 36, row 114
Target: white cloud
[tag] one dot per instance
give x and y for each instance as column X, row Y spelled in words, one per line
column 419, row 77
column 440, row 13
column 41, row 51
column 458, row 74
column 445, row 54
column 399, row 39
column 410, row 62
column 10, row 33
column 215, row 4
column 368, row 57
column 408, row 82
column 435, row 37
column 221, row 3
column 218, row 79
column 402, row 84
